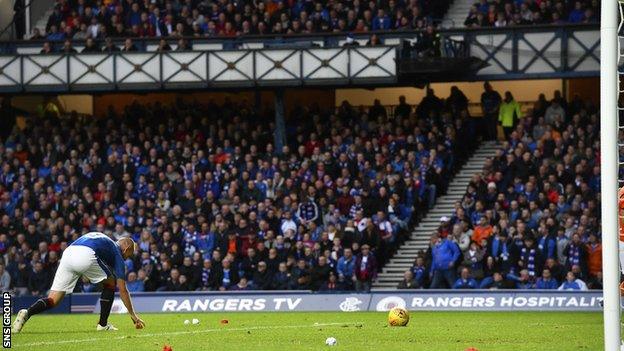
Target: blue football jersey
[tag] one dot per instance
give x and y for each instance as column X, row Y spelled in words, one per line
column 107, row 252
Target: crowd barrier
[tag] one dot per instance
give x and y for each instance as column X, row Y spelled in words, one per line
column 276, row 301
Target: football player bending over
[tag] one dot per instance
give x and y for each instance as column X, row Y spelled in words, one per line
column 99, row 259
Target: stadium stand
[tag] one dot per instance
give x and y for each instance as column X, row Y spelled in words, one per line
column 210, row 202
column 84, row 19
column 530, row 219
column 214, row 207
column 486, row 13
column 420, row 238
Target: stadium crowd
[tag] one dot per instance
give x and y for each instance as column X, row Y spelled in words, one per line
column 531, row 218
column 498, row 13
column 212, row 204
column 82, row 19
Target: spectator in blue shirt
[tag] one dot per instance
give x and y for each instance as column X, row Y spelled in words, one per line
column 134, row 284
column 572, row 283
column 465, row 281
column 514, row 211
column 55, row 35
column 530, row 192
column 475, row 217
column 205, row 241
column 381, row 21
column 444, row 255
column 420, row 271
column 546, row 281
column 546, row 244
column 228, row 276
column 578, row 14
column 134, row 16
column 45, row 169
column 346, row 268
column 320, row 13
column 483, row 6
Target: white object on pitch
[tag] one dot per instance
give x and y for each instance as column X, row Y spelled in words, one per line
column 187, row 322
column 195, row 321
column 331, row 341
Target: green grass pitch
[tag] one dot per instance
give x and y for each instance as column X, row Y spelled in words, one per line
column 444, row 331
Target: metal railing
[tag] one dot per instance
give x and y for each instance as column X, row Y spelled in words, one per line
column 321, row 39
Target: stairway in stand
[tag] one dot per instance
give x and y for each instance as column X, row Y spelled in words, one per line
column 393, row 271
column 457, row 13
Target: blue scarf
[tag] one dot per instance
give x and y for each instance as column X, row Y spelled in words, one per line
column 574, row 255
column 529, row 256
column 205, row 276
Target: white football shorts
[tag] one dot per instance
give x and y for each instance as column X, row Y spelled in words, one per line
column 78, row 261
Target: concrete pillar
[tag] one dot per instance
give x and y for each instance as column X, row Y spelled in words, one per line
column 257, row 100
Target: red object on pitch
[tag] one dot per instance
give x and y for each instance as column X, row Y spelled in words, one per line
column 224, row 321
column 167, row 348
column 471, row 349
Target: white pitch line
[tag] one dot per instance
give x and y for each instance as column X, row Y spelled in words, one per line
column 78, row 341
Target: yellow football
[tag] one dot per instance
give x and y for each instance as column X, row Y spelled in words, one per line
column 398, row 317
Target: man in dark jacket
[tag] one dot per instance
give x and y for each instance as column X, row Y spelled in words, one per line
column 408, row 281
column 90, row 46
column 262, row 277
column 21, row 277
column 365, row 269
column 576, row 254
column 109, row 46
column 19, row 19
column 320, row 273
column 332, row 284
column 9, row 116
column 227, row 276
column 249, row 264
column 192, row 273
column 490, row 101
column 530, row 257
column 300, row 277
column 281, row 279
column 163, row 274
column 208, row 276
column 39, row 280
column 177, row 282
